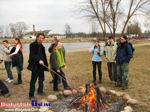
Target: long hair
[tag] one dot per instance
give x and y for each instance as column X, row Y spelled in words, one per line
column 19, row 41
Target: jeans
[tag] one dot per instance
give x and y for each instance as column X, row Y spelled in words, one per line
column 8, row 69
column 99, row 70
column 112, row 70
column 34, row 76
column 62, row 74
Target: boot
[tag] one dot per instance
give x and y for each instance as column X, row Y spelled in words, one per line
column 19, row 80
column 117, row 84
column 124, row 86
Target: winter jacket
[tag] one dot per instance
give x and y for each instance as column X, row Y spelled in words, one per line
column 96, row 56
column 50, row 50
column 110, row 51
column 124, row 53
column 37, row 53
column 6, row 52
column 17, row 59
column 53, row 61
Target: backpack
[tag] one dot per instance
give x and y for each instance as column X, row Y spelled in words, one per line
column 133, row 49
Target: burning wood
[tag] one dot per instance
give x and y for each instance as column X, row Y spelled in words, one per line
column 92, row 100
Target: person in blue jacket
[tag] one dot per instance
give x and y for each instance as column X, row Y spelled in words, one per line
column 123, row 57
column 97, row 52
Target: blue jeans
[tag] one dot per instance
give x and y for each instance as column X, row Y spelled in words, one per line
column 62, row 74
column 8, row 69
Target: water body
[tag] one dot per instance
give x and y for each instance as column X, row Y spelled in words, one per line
column 68, row 46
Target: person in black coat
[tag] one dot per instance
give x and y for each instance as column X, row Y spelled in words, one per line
column 37, row 64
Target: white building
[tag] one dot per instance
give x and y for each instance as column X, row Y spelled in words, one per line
column 29, row 37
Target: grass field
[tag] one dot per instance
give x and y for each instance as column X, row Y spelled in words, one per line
column 79, row 72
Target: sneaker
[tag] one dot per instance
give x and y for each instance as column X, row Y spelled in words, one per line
column 7, row 79
column 10, row 81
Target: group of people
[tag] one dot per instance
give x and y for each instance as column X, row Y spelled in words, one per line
column 13, row 56
column 118, row 56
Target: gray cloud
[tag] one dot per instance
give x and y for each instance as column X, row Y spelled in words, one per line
column 45, row 14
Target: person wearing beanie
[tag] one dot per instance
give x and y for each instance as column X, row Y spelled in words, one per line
column 123, row 57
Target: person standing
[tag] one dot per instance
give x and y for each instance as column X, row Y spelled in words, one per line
column 54, row 68
column 17, row 59
column 52, row 47
column 37, row 64
column 110, row 53
column 97, row 52
column 6, row 48
column 123, row 57
column 60, row 53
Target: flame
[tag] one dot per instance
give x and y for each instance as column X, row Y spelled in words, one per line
column 90, row 99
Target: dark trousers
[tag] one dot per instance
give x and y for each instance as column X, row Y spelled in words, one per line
column 99, row 70
column 34, row 76
column 19, row 74
column 8, row 69
column 55, row 78
column 112, row 70
column 58, row 76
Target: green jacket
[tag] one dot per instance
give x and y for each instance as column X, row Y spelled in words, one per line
column 110, row 51
column 53, row 61
column 53, row 58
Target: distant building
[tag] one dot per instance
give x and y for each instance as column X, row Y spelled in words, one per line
column 47, row 33
column 29, row 37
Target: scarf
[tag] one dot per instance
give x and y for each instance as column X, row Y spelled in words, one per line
column 60, row 57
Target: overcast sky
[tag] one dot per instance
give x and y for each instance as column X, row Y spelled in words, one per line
column 45, row 14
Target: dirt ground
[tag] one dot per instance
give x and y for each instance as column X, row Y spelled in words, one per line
column 79, row 72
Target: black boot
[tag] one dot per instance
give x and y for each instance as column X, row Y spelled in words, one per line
column 19, row 80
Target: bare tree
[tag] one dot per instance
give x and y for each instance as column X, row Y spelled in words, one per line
column 93, row 29
column 7, row 31
column 18, row 29
column 1, row 31
column 133, row 29
column 67, row 30
column 109, row 13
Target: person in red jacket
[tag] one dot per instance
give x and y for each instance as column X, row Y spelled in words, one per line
column 17, row 58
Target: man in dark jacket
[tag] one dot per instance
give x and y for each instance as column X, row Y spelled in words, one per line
column 124, row 54
column 37, row 64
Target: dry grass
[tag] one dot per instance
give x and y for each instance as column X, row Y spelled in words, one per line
column 48, row 40
column 79, row 72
